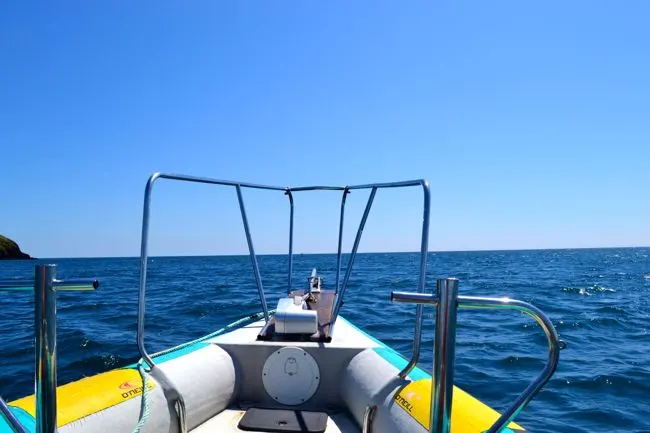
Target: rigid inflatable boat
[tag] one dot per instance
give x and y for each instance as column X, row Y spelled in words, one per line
column 298, row 367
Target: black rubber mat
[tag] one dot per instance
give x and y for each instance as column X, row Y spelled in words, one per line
column 283, row 421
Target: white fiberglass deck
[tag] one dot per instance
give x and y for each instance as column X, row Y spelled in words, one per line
column 345, row 336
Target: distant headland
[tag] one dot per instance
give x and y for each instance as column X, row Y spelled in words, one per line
column 9, row 250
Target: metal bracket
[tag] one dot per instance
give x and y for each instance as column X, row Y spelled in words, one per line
column 368, row 417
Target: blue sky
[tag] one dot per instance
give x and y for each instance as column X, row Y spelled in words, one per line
column 530, row 119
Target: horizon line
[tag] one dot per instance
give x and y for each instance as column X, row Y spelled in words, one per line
column 348, row 252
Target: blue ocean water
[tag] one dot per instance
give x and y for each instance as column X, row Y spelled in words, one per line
column 599, row 300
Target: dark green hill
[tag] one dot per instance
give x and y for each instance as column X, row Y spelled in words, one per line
column 9, row 250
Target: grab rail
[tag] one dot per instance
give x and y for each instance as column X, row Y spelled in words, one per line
column 45, row 286
column 424, row 248
column 447, row 300
column 288, row 191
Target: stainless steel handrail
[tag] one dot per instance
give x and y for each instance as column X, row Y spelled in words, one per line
column 287, row 191
column 340, row 289
column 445, row 337
column 45, row 286
column 251, row 249
column 444, row 356
column 424, row 249
column 11, row 419
column 290, row 277
column 144, row 247
column 340, row 243
column 339, row 296
column 368, row 417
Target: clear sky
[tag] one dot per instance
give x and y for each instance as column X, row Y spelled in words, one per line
column 530, row 119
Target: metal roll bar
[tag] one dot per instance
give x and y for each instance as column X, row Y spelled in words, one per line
column 249, row 240
column 45, row 285
column 290, row 277
column 353, row 254
column 445, row 353
column 340, row 244
column 288, row 191
column 447, row 300
column 424, row 249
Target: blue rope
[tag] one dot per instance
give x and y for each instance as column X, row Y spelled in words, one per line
column 145, row 409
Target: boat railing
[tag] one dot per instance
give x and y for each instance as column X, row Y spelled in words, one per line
column 341, row 286
column 288, row 191
column 44, row 285
column 447, row 302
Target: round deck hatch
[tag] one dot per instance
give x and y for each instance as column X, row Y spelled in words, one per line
column 290, row 376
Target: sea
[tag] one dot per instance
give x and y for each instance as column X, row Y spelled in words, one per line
column 598, row 299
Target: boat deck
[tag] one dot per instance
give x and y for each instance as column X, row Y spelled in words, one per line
column 228, row 420
column 347, row 337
